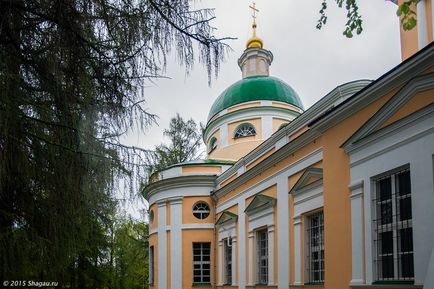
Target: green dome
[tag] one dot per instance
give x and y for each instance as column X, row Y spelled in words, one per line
column 255, row 88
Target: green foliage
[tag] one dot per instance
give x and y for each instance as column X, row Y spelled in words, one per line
column 185, row 139
column 70, row 79
column 130, row 255
column 407, row 15
column 354, row 19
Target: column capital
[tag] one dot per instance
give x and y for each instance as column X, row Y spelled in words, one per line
column 251, row 234
column 297, row 220
column 161, row 203
column 175, row 200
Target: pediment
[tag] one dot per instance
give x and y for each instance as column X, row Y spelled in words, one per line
column 259, row 203
column 227, row 217
column 388, row 113
column 310, row 177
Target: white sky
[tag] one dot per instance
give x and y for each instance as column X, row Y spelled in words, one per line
column 312, row 61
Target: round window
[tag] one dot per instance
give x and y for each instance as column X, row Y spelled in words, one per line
column 151, row 216
column 201, row 210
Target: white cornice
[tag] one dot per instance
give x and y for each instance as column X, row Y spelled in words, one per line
column 421, row 83
column 178, row 182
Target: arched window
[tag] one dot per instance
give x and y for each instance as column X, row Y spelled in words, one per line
column 201, row 210
column 212, row 144
column 245, row 129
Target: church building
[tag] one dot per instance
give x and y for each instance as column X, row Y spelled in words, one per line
column 336, row 196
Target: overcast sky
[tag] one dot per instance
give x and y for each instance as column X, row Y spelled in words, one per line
column 312, row 61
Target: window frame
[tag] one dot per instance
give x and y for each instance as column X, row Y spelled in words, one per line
column 201, row 212
column 227, row 249
column 312, row 233
column 201, row 263
column 242, row 135
column 394, row 225
column 262, row 277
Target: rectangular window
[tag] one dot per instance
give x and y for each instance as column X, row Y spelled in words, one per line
column 315, row 248
column 393, row 227
column 151, row 265
column 202, row 263
column 228, row 261
column 262, row 257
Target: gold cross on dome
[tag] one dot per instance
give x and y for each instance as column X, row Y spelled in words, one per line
column 254, row 10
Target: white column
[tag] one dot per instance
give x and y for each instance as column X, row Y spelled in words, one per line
column 422, row 27
column 241, row 247
column 297, row 250
column 221, row 262
column 282, row 233
column 251, row 259
column 176, row 243
column 270, row 255
column 234, row 260
column 357, row 227
column 162, row 246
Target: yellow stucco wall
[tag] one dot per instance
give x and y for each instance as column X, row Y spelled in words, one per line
column 260, row 159
column 277, row 122
column 237, row 150
column 337, row 223
column 201, row 169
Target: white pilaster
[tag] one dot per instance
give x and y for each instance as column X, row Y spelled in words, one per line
column 422, row 26
column 234, row 260
column 357, row 227
column 241, row 249
column 297, row 250
column 283, row 232
column 267, row 126
column 176, row 243
column 251, row 259
column 224, row 135
column 221, row 262
column 270, row 255
column 162, row 246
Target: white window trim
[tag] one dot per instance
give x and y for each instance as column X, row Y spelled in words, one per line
column 259, row 220
column 227, row 230
column 305, row 200
column 307, row 248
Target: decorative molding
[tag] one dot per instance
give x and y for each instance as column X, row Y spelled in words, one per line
column 418, row 84
column 226, row 218
column 178, row 182
column 259, row 203
column 304, row 183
